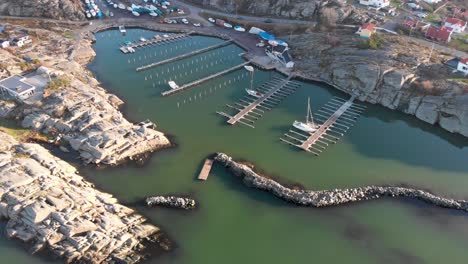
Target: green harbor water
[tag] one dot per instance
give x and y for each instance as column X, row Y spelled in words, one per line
column 235, row 224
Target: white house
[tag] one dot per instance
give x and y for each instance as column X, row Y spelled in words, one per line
column 4, row 43
column 432, row 1
column 20, row 41
column 456, row 24
column 463, row 66
column 16, row 87
column 376, row 3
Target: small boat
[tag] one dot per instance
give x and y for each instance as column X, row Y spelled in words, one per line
column 142, row 39
column 157, row 37
column 239, row 28
column 254, row 93
column 122, row 29
column 165, row 35
column 153, row 14
column 309, row 126
column 128, row 43
column 135, row 13
column 227, row 25
column 173, row 85
column 121, row 6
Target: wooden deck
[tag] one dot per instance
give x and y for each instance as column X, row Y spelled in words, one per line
column 183, row 56
column 205, row 171
column 199, row 81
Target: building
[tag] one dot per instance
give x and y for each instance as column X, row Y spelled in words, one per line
column 463, row 66
column 410, row 23
column 20, row 41
column 16, row 87
column 456, row 24
column 4, row 43
column 443, row 33
column 376, row 3
column 366, row 30
column 280, row 54
column 432, row 1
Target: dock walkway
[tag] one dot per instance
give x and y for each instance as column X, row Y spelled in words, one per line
column 199, row 81
column 342, row 115
column 183, row 56
column 154, row 41
column 205, row 171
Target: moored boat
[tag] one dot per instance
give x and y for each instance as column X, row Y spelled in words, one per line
column 309, row 125
column 173, row 85
column 254, row 93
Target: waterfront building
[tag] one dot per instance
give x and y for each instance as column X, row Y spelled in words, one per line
column 16, row 87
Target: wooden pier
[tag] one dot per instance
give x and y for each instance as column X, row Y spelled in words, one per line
column 154, row 41
column 205, row 171
column 251, row 109
column 183, row 56
column 202, row 80
column 334, row 119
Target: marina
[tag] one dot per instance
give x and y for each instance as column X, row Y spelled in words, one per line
column 252, row 107
column 155, row 41
column 337, row 116
column 182, row 56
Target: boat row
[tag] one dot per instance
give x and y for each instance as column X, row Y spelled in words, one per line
column 92, row 10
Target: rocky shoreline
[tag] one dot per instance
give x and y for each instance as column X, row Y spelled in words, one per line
column 171, row 201
column 46, row 203
column 333, row 197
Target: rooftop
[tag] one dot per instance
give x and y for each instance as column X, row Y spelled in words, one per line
column 16, row 84
column 455, row 21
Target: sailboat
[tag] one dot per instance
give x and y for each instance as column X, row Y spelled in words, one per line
column 309, row 126
column 254, row 93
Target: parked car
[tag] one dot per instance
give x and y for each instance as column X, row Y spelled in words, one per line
column 197, row 25
column 211, row 20
column 185, row 21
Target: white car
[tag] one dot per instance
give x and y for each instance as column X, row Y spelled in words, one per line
column 197, row 25
column 211, row 20
column 227, row 25
column 185, row 21
column 421, row 15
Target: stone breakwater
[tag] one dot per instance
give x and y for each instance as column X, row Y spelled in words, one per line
column 171, row 201
column 332, row 197
column 47, row 204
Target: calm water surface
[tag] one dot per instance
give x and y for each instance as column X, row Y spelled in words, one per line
column 235, row 224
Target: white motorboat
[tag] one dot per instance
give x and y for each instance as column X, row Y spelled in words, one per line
column 239, row 28
column 153, row 14
column 309, row 125
column 254, row 93
column 122, row 29
column 136, row 13
column 173, row 85
column 227, row 25
column 142, row 39
column 121, row 6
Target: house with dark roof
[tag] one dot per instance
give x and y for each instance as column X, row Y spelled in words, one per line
column 443, row 34
column 16, row 87
column 456, row 24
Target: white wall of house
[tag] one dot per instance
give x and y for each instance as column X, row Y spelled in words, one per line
column 4, row 44
column 462, row 67
column 376, row 3
column 432, row 1
column 456, row 27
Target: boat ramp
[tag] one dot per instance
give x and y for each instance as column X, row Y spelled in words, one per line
column 155, row 41
column 202, row 80
column 252, row 108
column 334, row 119
column 183, row 56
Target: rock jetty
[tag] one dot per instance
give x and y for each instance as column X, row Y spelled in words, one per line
column 332, row 197
column 47, row 204
column 171, row 201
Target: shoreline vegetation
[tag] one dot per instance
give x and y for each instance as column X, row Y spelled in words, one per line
column 334, row 197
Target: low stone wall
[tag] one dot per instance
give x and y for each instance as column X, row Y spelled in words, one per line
column 332, row 197
column 47, row 204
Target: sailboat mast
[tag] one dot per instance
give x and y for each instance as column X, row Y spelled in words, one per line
column 309, row 113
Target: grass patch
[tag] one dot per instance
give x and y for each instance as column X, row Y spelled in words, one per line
column 69, row 35
column 12, row 129
column 374, row 42
column 459, row 45
column 432, row 18
column 57, row 83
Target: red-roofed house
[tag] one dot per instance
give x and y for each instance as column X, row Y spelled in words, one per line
column 439, row 34
column 366, row 30
column 410, row 23
column 463, row 66
column 458, row 25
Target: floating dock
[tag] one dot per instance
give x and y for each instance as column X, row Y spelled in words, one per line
column 199, row 81
column 336, row 117
column 252, row 108
column 183, row 56
column 154, row 41
column 205, row 171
